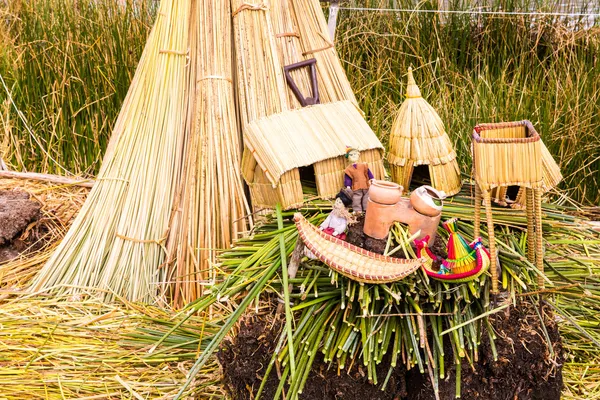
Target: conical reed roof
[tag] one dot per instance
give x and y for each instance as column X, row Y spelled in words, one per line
column 418, row 137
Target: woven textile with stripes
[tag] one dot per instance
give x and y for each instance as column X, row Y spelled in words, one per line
column 351, row 261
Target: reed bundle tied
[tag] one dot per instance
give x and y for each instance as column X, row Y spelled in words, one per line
column 316, row 43
column 117, row 241
column 289, row 48
column 418, row 137
column 212, row 207
column 260, row 81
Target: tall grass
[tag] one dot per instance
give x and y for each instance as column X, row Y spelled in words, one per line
column 68, row 65
column 485, row 68
column 69, row 68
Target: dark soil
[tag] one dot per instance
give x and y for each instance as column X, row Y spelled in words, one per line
column 524, row 369
column 17, row 212
column 245, row 359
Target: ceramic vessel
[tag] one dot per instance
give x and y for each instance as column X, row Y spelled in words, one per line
column 423, row 200
column 383, row 192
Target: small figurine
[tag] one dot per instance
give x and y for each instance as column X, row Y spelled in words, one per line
column 358, row 178
column 339, row 218
column 337, row 221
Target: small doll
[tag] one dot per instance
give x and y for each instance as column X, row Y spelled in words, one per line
column 338, row 219
column 358, row 178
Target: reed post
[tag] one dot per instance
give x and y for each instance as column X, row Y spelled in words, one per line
column 478, row 200
column 530, row 210
column 487, row 198
column 539, row 262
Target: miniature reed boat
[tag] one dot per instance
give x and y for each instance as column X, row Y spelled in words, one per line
column 352, row 261
column 481, row 265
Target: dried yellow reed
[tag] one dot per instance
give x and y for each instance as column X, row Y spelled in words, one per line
column 213, row 203
column 117, row 241
column 418, row 137
column 316, row 43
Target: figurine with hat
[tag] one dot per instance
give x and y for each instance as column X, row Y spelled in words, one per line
column 358, row 177
column 339, row 218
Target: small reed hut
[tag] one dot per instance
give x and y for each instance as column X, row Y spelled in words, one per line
column 418, row 138
column 511, row 154
column 284, row 149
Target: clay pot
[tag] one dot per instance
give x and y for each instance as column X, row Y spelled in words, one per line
column 383, row 192
column 422, row 200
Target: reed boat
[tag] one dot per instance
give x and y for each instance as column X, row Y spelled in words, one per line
column 352, row 261
column 482, row 262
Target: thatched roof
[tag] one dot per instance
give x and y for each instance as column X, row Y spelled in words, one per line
column 298, row 138
column 418, row 133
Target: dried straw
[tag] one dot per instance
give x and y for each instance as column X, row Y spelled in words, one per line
column 418, row 137
column 117, row 241
column 213, row 203
column 289, row 48
column 315, row 42
column 59, row 206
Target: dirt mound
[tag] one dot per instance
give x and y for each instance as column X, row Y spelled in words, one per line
column 245, row 359
column 524, row 369
column 17, row 211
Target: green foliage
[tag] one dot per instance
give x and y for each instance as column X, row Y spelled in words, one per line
column 484, row 68
column 68, row 65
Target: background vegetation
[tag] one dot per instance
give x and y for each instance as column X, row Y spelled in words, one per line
column 68, row 65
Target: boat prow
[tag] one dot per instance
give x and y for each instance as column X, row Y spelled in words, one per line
column 352, row 261
column 482, row 264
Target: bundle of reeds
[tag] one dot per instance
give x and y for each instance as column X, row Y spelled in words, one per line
column 117, row 241
column 260, row 81
column 418, row 138
column 316, row 43
column 212, row 207
column 288, row 44
column 414, row 321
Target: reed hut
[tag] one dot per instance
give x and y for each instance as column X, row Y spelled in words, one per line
column 551, row 176
column 510, row 154
column 418, row 138
column 289, row 149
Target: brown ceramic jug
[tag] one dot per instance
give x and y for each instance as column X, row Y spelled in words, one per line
column 383, row 192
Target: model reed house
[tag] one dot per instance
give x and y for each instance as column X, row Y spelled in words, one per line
column 419, row 145
column 306, row 147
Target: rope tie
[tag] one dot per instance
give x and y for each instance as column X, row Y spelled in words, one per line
column 109, row 178
column 158, row 242
column 326, row 40
column 251, row 7
column 288, row 34
column 470, row 254
column 329, row 46
column 174, row 52
column 215, row 77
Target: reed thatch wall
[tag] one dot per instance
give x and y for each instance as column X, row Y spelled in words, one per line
column 418, row 137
